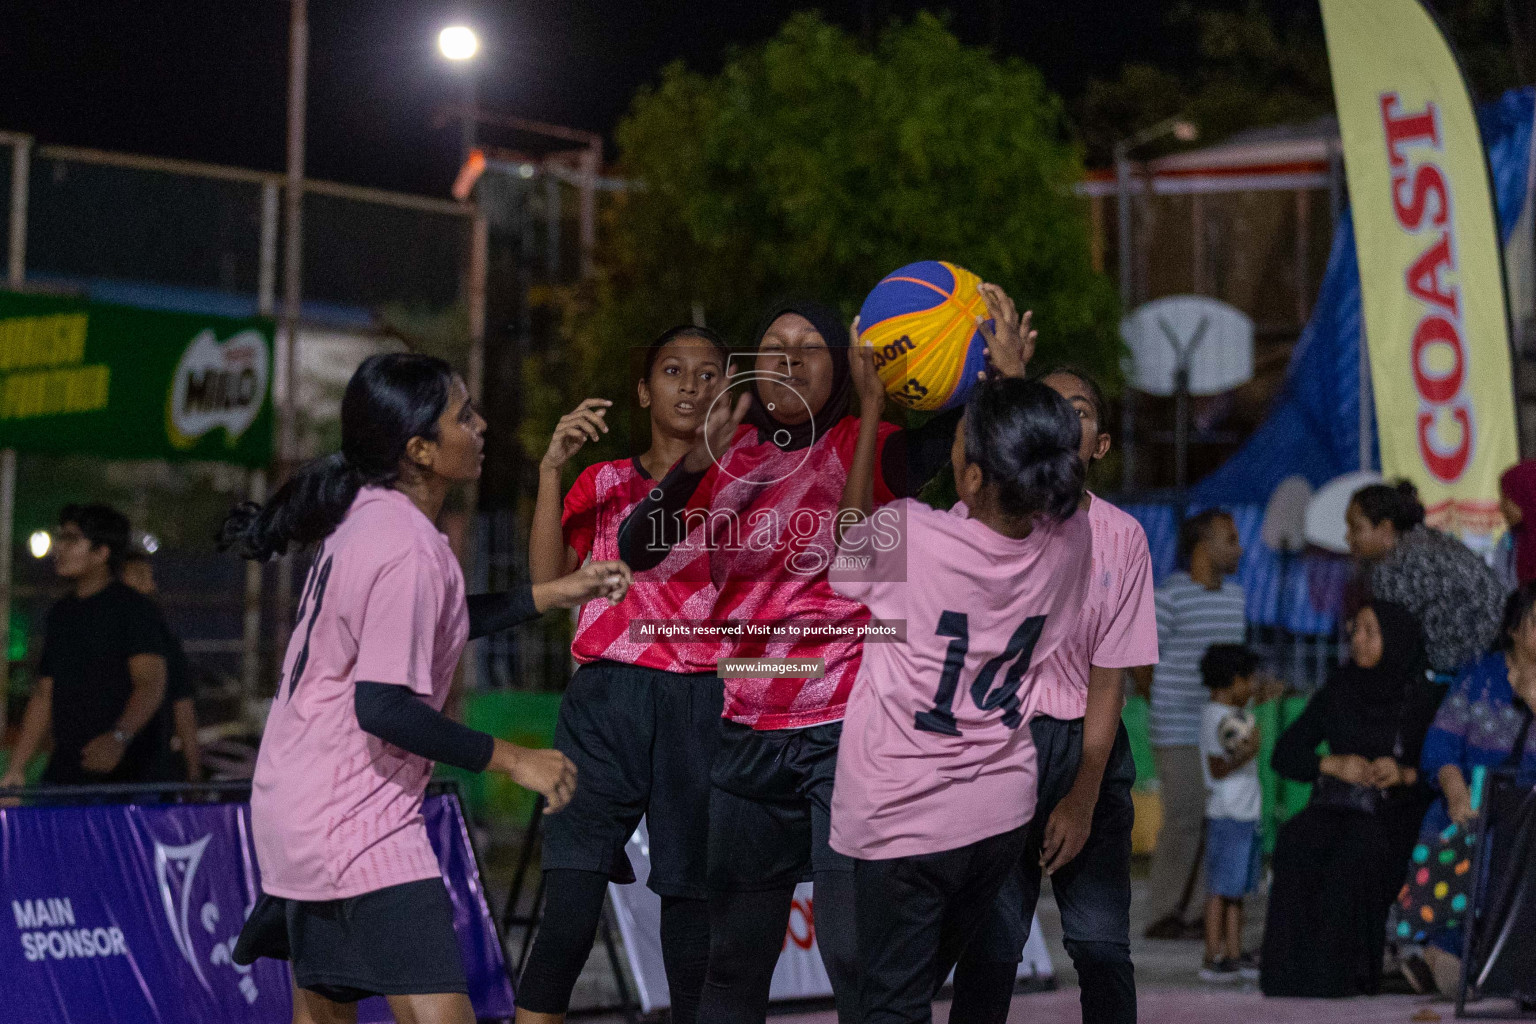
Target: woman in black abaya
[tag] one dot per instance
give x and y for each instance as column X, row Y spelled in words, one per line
column 1339, row 863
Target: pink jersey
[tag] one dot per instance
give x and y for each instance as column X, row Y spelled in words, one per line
column 771, row 515
column 336, row 812
column 935, row 754
column 677, row 589
column 1119, row 622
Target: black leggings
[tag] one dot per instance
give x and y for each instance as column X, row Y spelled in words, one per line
column 565, row 941
column 747, row 934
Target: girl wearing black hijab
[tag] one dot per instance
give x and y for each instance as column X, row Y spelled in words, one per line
column 1339, row 863
column 770, row 466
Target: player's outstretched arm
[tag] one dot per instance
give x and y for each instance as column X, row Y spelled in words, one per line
column 858, row 499
column 398, row 716
column 492, row 613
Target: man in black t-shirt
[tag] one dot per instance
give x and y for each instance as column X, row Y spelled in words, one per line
column 181, row 756
column 101, row 679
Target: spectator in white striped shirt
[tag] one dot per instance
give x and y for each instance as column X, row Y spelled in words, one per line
column 1196, row 608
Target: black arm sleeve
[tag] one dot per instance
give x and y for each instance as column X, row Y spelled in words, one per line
column 648, row 532
column 1295, row 755
column 910, row 458
column 396, row 715
column 491, row 613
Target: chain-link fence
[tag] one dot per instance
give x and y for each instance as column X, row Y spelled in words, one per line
column 183, row 235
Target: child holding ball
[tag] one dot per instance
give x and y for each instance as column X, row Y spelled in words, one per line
column 1229, row 742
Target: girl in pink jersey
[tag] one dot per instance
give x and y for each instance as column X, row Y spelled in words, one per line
column 641, row 716
column 352, row 893
column 770, row 467
column 936, row 773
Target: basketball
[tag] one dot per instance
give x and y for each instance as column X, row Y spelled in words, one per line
column 1235, row 730
column 921, row 322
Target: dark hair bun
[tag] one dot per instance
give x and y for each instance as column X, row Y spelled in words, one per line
column 1025, row 437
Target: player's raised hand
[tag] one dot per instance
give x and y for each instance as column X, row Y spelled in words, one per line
column 715, row 433
column 547, row 772
column 1010, row 341
column 584, row 423
column 866, row 381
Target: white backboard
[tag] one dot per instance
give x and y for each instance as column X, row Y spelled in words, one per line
column 1218, row 337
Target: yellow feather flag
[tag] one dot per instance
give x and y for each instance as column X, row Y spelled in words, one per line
column 1431, row 269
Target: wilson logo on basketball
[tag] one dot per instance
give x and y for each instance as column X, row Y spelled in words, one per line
column 885, row 353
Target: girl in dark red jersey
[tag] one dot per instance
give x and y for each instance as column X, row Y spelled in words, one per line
column 770, row 468
column 641, row 717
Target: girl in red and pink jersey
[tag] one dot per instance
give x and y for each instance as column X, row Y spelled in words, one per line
column 641, row 716
column 764, row 482
column 352, row 892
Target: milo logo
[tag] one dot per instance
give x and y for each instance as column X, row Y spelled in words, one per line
column 218, row 384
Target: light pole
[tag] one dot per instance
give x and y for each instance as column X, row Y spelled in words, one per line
column 1184, row 131
column 460, row 44
column 293, row 283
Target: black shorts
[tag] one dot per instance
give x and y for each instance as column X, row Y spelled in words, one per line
column 770, row 810
column 1093, row 891
column 642, row 741
column 915, row 915
column 394, row 941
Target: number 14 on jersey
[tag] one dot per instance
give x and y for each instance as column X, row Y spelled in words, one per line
column 986, row 697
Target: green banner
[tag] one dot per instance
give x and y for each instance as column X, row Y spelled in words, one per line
column 80, row 377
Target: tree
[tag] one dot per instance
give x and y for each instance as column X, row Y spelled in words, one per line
column 813, row 166
column 1253, row 69
column 1267, row 63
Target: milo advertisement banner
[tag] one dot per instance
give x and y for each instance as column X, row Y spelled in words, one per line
column 83, row 377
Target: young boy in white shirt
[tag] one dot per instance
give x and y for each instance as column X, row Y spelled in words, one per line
column 1229, row 741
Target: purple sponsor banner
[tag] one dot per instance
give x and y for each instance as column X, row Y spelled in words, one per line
column 129, row 913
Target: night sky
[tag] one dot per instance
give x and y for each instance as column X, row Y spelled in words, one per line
column 207, row 79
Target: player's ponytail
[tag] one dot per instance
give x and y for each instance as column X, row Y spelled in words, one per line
column 389, row 400
column 1025, row 437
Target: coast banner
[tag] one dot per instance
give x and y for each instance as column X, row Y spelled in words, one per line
column 1431, row 270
